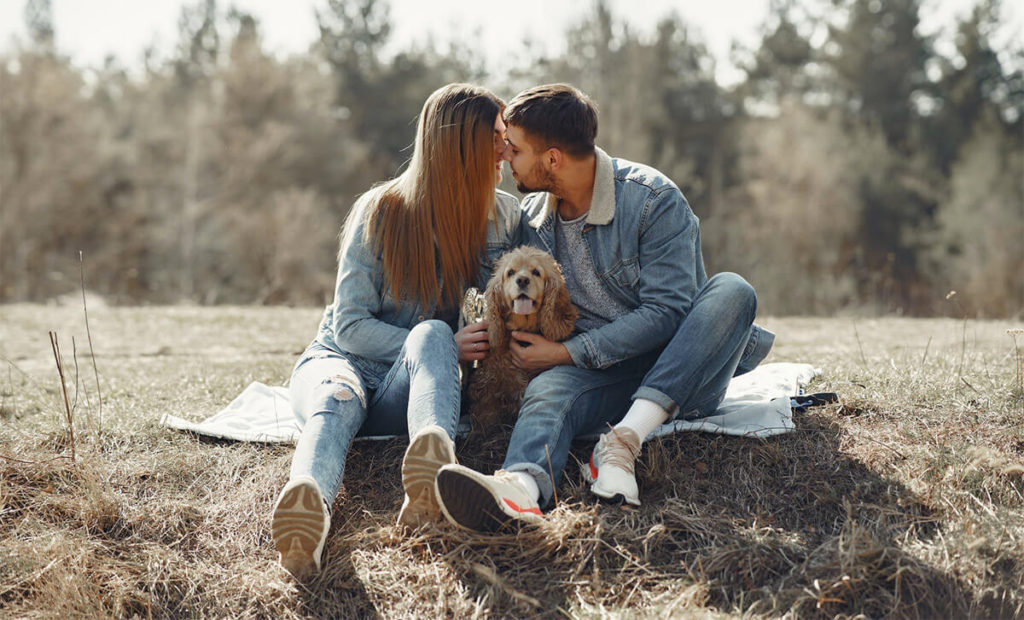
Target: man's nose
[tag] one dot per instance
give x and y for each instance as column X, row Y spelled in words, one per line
column 523, row 281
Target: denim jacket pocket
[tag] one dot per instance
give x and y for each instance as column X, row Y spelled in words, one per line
column 626, row 273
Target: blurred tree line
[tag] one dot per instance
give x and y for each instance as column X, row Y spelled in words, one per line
column 855, row 168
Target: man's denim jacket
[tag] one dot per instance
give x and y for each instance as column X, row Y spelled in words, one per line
column 645, row 243
column 364, row 322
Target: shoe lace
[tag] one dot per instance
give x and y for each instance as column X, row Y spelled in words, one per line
column 507, row 476
column 619, row 448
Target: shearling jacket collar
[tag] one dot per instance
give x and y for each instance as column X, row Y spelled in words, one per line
column 602, row 204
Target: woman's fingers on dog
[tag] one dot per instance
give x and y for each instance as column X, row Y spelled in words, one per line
column 471, row 342
column 468, row 354
column 475, row 331
column 476, row 346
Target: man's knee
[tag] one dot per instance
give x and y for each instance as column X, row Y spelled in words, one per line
column 736, row 290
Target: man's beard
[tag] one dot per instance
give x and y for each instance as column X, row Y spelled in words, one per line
column 544, row 181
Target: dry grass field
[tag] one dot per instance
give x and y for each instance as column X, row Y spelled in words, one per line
column 906, row 499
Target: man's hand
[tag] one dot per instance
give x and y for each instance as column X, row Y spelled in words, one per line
column 472, row 342
column 533, row 352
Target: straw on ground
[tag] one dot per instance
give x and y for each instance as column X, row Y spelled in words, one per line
column 905, row 499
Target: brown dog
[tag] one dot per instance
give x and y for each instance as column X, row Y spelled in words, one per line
column 526, row 293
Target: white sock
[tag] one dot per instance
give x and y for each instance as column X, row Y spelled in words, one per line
column 528, row 483
column 643, row 417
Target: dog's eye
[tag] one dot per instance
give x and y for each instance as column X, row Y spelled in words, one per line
column 536, row 273
column 511, row 272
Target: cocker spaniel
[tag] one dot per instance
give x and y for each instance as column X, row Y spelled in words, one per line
column 526, row 293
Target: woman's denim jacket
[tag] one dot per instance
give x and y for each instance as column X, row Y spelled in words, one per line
column 365, row 323
column 645, row 243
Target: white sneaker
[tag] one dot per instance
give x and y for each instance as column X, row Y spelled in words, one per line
column 428, row 451
column 612, row 466
column 483, row 503
column 300, row 524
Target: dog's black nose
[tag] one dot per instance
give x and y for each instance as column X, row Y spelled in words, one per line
column 523, row 281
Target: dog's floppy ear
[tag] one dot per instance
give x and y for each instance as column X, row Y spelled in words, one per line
column 557, row 314
column 497, row 310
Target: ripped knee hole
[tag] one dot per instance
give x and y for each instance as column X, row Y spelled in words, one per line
column 345, row 388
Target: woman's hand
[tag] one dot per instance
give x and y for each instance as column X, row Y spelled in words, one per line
column 472, row 342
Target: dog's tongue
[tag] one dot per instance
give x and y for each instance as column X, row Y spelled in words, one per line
column 523, row 305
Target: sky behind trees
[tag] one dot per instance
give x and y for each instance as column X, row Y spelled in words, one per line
column 90, row 30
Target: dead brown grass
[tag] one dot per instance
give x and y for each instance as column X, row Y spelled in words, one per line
column 905, row 500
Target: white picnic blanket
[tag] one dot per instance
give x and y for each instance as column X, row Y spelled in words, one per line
column 756, row 404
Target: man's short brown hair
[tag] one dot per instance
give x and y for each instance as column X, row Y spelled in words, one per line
column 556, row 115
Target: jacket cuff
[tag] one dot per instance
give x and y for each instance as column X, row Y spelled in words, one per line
column 580, row 350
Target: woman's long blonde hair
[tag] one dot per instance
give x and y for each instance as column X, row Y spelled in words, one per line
column 432, row 218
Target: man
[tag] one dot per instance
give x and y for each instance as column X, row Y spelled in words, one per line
column 655, row 339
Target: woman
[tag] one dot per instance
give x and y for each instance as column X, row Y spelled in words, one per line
column 385, row 361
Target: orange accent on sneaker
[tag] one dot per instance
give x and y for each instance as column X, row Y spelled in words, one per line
column 593, row 470
column 516, row 507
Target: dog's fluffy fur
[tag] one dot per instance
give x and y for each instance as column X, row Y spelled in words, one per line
column 533, row 277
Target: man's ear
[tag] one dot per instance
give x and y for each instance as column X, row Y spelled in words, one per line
column 553, row 159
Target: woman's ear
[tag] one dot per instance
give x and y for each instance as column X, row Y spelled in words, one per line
column 496, row 311
column 557, row 314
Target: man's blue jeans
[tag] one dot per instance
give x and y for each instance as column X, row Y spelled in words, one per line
column 688, row 378
column 331, row 400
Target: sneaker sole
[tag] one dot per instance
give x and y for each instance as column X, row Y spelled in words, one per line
column 298, row 530
column 615, row 499
column 471, row 505
column 427, row 454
